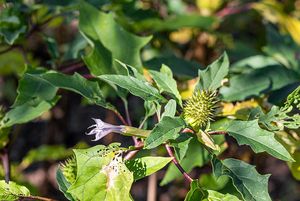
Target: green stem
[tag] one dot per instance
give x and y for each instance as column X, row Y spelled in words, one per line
column 136, row 132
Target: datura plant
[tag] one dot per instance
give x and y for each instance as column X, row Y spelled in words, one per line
column 173, row 133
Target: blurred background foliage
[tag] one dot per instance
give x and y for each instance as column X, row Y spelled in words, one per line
column 262, row 39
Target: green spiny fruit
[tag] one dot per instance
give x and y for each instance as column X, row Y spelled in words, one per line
column 69, row 169
column 200, row 108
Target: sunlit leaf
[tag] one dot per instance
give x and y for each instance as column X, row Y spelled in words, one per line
column 145, row 166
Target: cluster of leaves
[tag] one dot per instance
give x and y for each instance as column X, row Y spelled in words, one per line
column 114, row 62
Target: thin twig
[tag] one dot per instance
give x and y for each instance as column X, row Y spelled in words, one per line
column 8, row 49
column 120, row 117
column 217, row 132
column 127, row 113
column 88, row 76
column 31, row 197
column 176, row 163
column 137, row 147
column 6, row 164
column 72, row 67
column 234, row 10
column 152, row 187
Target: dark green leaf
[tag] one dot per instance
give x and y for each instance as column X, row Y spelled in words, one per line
column 179, row 66
column 166, row 83
column 216, row 196
column 135, row 86
column 63, row 184
column 109, row 40
column 248, row 132
column 212, row 76
column 196, row 193
column 174, row 22
column 250, row 184
column 266, row 79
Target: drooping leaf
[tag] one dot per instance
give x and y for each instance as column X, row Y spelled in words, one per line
column 135, row 86
column 166, row 83
column 12, row 191
column 109, row 41
column 195, row 193
column 168, row 128
column 101, row 175
column 249, row 132
column 250, row 184
column 37, row 94
column 145, row 166
column 212, row 76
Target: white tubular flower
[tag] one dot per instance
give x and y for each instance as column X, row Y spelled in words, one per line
column 101, row 129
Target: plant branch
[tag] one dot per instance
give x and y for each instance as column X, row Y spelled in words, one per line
column 176, row 163
column 120, row 117
column 217, row 132
column 136, row 148
column 127, row 113
column 31, row 197
column 72, row 67
column 230, row 10
column 6, row 164
column 8, row 49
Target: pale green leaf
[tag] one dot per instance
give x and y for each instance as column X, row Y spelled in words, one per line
column 12, row 191
column 250, row 184
column 207, row 140
column 168, row 128
column 145, row 166
column 101, row 175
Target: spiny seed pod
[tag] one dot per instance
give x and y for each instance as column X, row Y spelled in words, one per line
column 69, row 169
column 199, row 109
